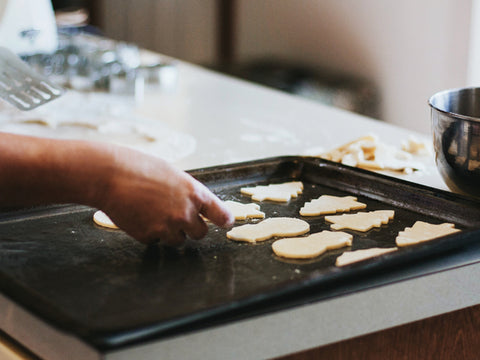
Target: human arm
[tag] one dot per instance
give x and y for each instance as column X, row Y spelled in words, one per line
column 144, row 195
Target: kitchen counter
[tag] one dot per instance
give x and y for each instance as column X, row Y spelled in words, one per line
column 220, row 120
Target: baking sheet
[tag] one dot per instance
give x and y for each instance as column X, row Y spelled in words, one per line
column 107, row 289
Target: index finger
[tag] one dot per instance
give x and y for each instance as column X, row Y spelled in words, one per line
column 215, row 210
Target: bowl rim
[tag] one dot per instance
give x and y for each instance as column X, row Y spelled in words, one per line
column 450, row 113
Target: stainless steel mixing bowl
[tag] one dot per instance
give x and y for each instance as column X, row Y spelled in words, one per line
column 455, row 116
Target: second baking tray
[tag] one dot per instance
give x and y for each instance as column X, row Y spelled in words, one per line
column 111, row 291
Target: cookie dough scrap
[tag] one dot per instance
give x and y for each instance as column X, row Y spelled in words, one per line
column 244, row 211
column 328, row 204
column 102, row 219
column 275, row 192
column 369, row 153
column 416, row 146
column 267, row 229
column 362, row 147
column 349, row 257
column 362, row 221
column 422, row 231
column 386, row 157
column 312, row 245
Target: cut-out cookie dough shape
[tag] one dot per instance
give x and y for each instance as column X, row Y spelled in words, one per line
column 350, row 257
column 362, row 221
column 328, row 204
column 244, row 211
column 422, row 231
column 312, row 245
column 102, row 219
column 275, row 192
column 266, row 229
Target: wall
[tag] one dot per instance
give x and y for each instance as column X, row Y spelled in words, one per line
column 185, row 29
column 410, row 49
column 473, row 77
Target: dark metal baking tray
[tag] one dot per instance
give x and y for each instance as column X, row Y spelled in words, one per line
column 109, row 290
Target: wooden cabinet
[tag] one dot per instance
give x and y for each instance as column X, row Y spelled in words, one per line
column 455, row 335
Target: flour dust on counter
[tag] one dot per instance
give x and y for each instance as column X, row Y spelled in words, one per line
column 99, row 117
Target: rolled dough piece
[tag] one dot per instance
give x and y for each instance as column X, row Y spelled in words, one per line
column 422, row 231
column 275, row 192
column 362, row 221
column 102, row 219
column 266, row 229
column 349, row 257
column 312, row 245
column 244, row 211
column 328, row 204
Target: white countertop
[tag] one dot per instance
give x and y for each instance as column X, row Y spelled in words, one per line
column 206, row 119
column 213, row 120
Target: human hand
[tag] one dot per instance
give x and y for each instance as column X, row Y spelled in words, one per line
column 153, row 201
column 144, row 195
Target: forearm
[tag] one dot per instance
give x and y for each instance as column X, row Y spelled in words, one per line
column 44, row 171
column 145, row 196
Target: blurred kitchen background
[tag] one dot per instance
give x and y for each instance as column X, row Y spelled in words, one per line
column 383, row 59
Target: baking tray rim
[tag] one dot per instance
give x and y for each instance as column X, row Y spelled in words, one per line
column 122, row 338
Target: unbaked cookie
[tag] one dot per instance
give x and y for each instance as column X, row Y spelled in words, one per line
column 244, row 211
column 362, row 221
column 328, row 204
column 349, row 257
column 267, row 229
column 275, row 192
column 102, row 219
column 422, row 231
column 312, row 245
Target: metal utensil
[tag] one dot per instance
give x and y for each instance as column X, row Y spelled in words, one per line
column 23, row 87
